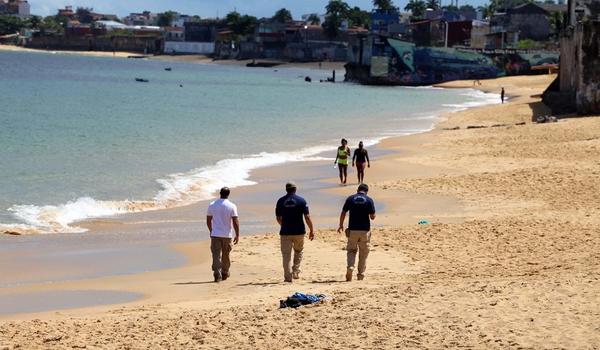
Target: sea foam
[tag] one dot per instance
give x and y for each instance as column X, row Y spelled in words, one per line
column 176, row 190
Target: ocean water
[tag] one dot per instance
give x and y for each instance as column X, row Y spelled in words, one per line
column 80, row 138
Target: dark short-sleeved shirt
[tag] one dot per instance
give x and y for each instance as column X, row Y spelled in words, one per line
column 360, row 207
column 292, row 208
column 361, row 155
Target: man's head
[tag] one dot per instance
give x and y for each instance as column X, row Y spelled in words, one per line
column 363, row 188
column 224, row 192
column 344, row 142
column 290, row 187
column 360, row 144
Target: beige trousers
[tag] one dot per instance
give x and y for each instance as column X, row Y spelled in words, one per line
column 358, row 241
column 220, row 249
column 289, row 243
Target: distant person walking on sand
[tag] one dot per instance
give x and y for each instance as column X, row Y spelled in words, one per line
column 221, row 216
column 291, row 211
column 361, row 159
column 502, row 95
column 362, row 211
column 341, row 159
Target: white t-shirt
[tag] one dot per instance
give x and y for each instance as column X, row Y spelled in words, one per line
column 222, row 210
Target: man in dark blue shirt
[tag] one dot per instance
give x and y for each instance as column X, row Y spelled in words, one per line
column 362, row 211
column 291, row 211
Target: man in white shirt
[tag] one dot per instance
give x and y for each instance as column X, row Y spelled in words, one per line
column 221, row 216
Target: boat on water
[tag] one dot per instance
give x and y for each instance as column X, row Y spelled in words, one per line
column 141, row 80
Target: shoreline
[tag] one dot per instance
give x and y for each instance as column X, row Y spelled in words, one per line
column 123, row 208
column 514, row 264
column 191, row 58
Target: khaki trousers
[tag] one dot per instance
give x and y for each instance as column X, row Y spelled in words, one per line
column 289, row 243
column 220, row 249
column 358, row 241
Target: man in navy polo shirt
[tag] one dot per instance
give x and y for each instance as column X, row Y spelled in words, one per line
column 291, row 211
column 362, row 211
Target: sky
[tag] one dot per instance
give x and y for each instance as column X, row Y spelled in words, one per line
column 208, row 8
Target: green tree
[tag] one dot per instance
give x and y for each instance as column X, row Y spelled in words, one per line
column 558, row 21
column 417, row 9
column 359, row 18
column 34, row 22
column 241, row 25
column 467, row 8
column 383, row 4
column 282, row 16
column 314, row 19
column 337, row 11
column 165, row 19
column 10, row 24
column 433, row 4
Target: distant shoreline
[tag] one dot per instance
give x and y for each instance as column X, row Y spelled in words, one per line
column 192, row 58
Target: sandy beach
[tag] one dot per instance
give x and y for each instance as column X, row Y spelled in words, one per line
column 510, row 257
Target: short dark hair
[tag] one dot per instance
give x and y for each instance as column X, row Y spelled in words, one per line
column 225, row 191
column 290, row 187
column 363, row 188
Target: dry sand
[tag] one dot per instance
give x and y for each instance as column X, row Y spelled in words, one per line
column 511, row 259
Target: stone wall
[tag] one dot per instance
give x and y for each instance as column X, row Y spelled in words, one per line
column 141, row 44
column 588, row 92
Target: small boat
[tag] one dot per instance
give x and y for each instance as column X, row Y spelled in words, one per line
column 141, row 80
column 168, row 69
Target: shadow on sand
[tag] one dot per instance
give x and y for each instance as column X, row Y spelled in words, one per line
column 192, row 283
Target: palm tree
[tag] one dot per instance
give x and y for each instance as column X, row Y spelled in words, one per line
column 433, row 4
column 314, row 19
column 282, row 16
column 337, row 10
column 383, row 4
column 417, row 8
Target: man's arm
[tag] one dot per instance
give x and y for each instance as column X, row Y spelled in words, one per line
column 236, row 227
column 354, row 158
column 342, row 218
column 311, row 234
column 280, row 220
column 372, row 216
column 209, row 223
column 367, row 156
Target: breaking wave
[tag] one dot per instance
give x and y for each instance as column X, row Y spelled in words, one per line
column 176, row 190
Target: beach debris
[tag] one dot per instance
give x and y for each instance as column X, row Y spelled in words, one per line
column 476, row 127
column 520, row 123
column 454, row 128
column 300, row 299
column 168, row 69
column 307, row 79
column 142, row 80
column 545, row 119
column 499, row 125
column 424, row 222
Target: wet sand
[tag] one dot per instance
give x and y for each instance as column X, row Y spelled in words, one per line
column 511, row 259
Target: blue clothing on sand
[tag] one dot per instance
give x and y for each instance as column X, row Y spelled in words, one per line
column 292, row 208
column 360, row 207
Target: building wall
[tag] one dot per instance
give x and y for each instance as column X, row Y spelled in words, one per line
column 530, row 26
column 141, row 44
column 478, row 36
column 189, row 47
